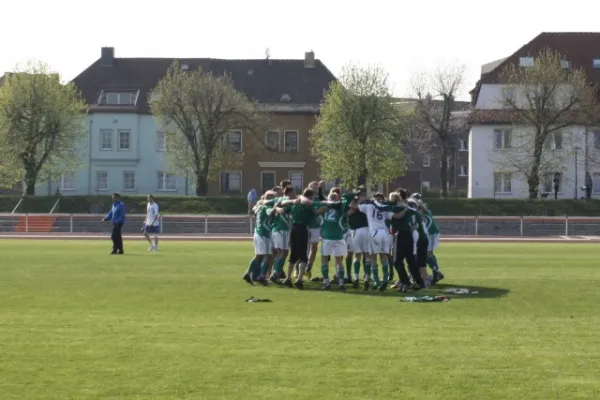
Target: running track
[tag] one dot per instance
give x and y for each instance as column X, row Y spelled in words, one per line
column 241, row 237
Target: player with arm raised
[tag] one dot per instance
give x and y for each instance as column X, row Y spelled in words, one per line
column 434, row 239
column 333, row 243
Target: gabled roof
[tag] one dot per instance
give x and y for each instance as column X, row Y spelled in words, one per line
column 265, row 81
column 579, row 48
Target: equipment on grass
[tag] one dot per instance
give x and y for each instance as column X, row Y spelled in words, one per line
column 253, row 300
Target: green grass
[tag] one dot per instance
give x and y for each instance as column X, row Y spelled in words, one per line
column 76, row 323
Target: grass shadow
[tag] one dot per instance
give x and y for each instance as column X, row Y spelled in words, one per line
column 484, row 292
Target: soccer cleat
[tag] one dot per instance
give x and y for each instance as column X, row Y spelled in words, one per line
column 342, row 287
column 247, row 278
column 404, row 288
column 287, row 282
column 327, row 286
column 355, row 284
column 274, row 279
column 282, row 275
column 347, row 280
column 299, row 285
column 366, row 285
column 396, row 285
column 383, row 286
column 317, row 279
column 437, row 276
column 262, row 281
column 308, row 275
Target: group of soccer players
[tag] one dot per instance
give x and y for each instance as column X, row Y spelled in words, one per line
column 353, row 230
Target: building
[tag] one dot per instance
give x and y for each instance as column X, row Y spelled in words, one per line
column 125, row 149
column 489, row 137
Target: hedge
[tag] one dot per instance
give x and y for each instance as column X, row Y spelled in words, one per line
column 237, row 205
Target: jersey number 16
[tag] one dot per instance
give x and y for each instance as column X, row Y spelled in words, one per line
column 377, row 214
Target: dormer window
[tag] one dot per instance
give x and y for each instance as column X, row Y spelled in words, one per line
column 185, row 67
column 118, row 97
column 285, row 97
column 564, row 64
column 526, row 62
column 596, row 63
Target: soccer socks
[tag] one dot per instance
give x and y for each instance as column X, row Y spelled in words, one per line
column 253, row 268
column 340, row 274
column 432, row 262
column 375, row 273
column 348, row 267
column 264, row 269
column 367, row 266
column 356, row 269
column 385, row 270
column 325, row 272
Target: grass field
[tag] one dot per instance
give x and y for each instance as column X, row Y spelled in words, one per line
column 76, row 323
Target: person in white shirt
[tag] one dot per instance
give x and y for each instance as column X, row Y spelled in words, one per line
column 151, row 223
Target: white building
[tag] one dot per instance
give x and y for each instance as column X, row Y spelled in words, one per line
column 494, row 146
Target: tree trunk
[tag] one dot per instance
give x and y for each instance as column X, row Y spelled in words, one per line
column 30, row 180
column 201, row 186
column 533, row 180
column 444, row 172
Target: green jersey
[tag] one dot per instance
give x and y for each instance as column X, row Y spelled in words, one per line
column 316, row 220
column 407, row 223
column 273, row 202
column 302, row 214
column 282, row 221
column 347, row 199
column 432, row 227
column 264, row 221
column 333, row 221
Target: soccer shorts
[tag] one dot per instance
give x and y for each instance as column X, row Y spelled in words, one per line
column 434, row 241
column 361, row 240
column 151, row 229
column 262, row 245
column 349, row 241
column 380, row 242
column 299, row 239
column 333, row 248
column 315, row 235
column 281, row 240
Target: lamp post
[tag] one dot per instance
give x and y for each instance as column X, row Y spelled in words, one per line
column 576, row 150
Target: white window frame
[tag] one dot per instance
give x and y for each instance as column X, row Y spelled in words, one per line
column 98, row 187
column 504, row 133
column 464, row 145
column 551, row 141
column 465, row 172
column 550, row 182
column 231, row 172
column 527, row 62
column 161, row 181
column 426, row 160
column 301, row 187
column 120, row 132
column 595, row 182
column 161, row 141
column 241, row 140
column 274, row 179
column 109, row 133
column 125, row 188
column 70, row 177
column 426, row 185
column 503, row 181
column 565, row 64
column 285, row 149
column 103, row 95
column 278, row 148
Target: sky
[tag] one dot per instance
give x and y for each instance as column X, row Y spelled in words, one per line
column 402, row 37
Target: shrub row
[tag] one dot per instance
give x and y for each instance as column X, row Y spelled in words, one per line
column 237, row 205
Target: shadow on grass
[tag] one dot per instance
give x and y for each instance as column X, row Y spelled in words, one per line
column 435, row 290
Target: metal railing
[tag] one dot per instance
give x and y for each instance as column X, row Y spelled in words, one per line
column 55, row 206
column 244, row 225
column 18, row 205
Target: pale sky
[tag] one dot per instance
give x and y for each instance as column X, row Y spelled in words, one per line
column 403, row 37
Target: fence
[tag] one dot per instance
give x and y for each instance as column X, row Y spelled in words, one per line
column 243, row 224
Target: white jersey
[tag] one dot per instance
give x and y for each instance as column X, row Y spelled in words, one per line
column 375, row 217
column 152, row 216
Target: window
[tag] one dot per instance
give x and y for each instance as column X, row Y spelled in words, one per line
column 272, row 140
column 297, row 179
column 508, row 95
column 502, row 182
column 553, row 141
column 564, row 64
column 129, row 180
column 548, row 181
column 101, row 180
column 161, row 142
column 290, row 139
column 118, row 98
column 124, row 140
column 105, row 140
column 526, row 62
column 426, row 161
column 166, row 181
column 464, row 145
column 596, row 183
column 67, row 182
column 267, row 180
column 502, row 139
column 464, row 170
column 597, row 140
column 596, row 63
column 234, row 141
column 426, row 185
column 231, row 182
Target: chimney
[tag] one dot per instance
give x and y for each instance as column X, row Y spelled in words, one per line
column 107, row 56
column 309, row 59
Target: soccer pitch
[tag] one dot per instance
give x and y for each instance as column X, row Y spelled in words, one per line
column 77, row 323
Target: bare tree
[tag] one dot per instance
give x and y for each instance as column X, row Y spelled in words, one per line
column 203, row 116
column 439, row 118
column 541, row 104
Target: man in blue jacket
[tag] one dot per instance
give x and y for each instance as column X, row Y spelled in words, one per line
column 117, row 216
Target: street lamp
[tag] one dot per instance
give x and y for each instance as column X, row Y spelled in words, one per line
column 576, row 150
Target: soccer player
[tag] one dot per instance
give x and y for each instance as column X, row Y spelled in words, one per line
column 333, row 243
column 420, row 277
column 116, row 215
column 262, row 241
column 152, row 223
column 434, row 240
column 281, row 238
column 314, row 226
column 359, row 226
column 377, row 214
